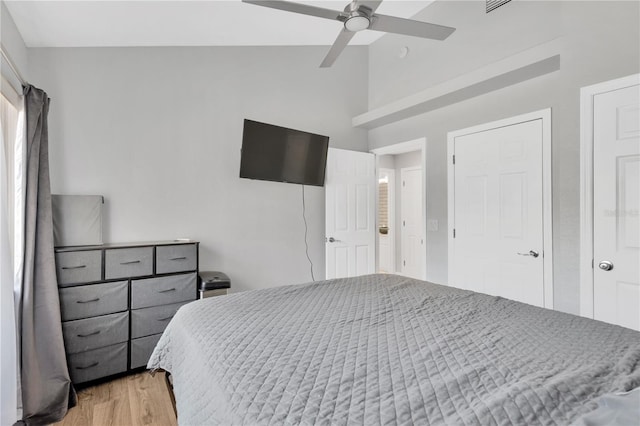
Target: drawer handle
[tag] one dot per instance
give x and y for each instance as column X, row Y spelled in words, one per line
column 89, row 366
column 88, row 301
column 165, row 318
column 74, row 267
column 167, row 290
column 130, row 262
column 90, row 334
column 178, row 258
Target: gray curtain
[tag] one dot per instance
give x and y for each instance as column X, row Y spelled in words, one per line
column 47, row 392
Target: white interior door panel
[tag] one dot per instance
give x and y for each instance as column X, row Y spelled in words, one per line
column 412, row 228
column 498, row 212
column 350, row 213
column 616, row 207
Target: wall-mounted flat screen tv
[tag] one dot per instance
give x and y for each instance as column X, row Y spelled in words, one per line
column 280, row 154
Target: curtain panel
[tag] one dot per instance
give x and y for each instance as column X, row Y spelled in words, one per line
column 47, row 392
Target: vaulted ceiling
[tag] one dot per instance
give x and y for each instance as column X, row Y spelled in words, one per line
column 183, row 23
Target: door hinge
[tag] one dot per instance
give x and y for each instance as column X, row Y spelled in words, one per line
column 592, row 262
column 454, row 159
column 454, row 232
column 404, row 263
column 404, row 183
column 404, row 223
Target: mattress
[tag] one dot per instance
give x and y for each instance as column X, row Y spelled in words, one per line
column 385, row 349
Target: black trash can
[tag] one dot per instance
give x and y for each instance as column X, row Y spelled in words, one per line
column 213, row 283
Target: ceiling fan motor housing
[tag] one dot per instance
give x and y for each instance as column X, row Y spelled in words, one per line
column 358, row 18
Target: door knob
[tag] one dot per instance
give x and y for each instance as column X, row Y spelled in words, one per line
column 605, row 265
column 531, row 253
column 333, row 240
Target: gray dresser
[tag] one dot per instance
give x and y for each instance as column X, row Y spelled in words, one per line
column 117, row 299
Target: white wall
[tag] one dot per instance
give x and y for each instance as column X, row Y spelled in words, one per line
column 158, row 132
column 600, row 41
column 14, row 47
column 408, row 159
column 128, row 123
column 386, row 162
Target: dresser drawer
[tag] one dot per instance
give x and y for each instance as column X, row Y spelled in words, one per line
column 141, row 350
column 148, row 321
column 91, row 365
column 92, row 333
column 75, row 267
column 163, row 290
column 129, row 262
column 179, row 258
column 92, row 300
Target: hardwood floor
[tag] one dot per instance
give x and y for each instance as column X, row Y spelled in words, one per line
column 134, row 400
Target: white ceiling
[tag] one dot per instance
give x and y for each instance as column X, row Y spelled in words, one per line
column 81, row 23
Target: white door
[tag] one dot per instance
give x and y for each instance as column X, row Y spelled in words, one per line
column 386, row 221
column 411, row 222
column 616, row 207
column 350, row 213
column 498, row 212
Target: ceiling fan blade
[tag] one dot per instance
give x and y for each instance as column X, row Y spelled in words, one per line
column 338, row 46
column 297, row 8
column 391, row 24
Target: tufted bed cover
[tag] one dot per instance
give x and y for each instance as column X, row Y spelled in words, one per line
column 385, row 349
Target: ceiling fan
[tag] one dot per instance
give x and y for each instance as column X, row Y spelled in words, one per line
column 360, row 15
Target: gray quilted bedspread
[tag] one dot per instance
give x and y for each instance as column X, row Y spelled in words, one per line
column 384, row 349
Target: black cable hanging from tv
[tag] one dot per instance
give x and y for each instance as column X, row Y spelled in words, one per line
column 306, row 245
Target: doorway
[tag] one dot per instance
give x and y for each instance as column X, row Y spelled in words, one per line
column 500, row 209
column 401, row 205
column 386, row 220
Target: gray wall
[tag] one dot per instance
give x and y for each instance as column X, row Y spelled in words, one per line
column 158, row 132
column 600, row 41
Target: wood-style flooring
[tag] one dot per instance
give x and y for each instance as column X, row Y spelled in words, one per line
column 134, row 400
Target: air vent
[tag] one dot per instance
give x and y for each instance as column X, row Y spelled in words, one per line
column 494, row 4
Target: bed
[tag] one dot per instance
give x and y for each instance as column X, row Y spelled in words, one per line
column 386, row 349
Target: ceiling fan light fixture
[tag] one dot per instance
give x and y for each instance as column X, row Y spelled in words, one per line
column 357, row 23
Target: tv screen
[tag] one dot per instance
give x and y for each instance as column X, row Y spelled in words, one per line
column 280, row 154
